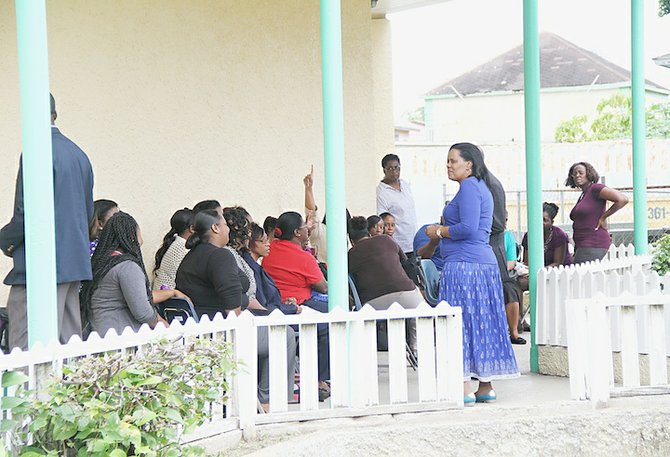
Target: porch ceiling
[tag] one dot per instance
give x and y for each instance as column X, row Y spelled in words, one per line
column 393, row 6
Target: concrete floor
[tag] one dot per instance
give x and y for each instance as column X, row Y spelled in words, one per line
column 530, row 388
column 533, row 416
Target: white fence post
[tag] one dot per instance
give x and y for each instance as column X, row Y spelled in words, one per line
column 339, row 359
column 599, row 359
column 630, row 359
column 247, row 375
column 450, row 353
column 576, row 332
column 371, row 374
column 397, row 357
column 542, row 311
column 309, row 369
column 426, row 352
column 277, row 360
column 658, row 368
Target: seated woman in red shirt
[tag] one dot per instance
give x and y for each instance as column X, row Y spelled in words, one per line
column 294, row 270
column 297, row 275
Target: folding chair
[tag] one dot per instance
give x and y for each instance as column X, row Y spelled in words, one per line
column 179, row 309
column 411, row 358
column 430, row 278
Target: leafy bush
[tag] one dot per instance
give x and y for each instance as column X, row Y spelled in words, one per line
column 122, row 404
column 661, row 260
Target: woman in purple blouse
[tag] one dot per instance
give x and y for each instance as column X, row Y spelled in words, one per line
column 589, row 216
column 471, row 278
column 555, row 240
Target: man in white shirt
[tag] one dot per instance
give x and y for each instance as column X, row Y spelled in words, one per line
column 394, row 196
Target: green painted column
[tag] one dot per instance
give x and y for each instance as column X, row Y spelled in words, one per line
column 333, row 137
column 38, row 195
column 639, row 128
column 531, row 95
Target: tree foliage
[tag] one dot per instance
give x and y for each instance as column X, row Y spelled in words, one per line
column 613, row 121
column 663, row 7
column 121, row 404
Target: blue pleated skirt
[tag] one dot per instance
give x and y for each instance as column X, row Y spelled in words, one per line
column 477, row 289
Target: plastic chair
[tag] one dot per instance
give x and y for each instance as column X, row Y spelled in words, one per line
column 354, row 293
column 411, row 358
column 178, row 309
column 431, row 280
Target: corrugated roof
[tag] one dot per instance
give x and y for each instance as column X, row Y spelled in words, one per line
column 562, row 64
column 663, row 60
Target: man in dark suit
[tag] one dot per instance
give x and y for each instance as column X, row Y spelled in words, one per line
column 73, row 209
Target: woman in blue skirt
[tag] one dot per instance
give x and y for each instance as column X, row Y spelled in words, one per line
column 470, row 277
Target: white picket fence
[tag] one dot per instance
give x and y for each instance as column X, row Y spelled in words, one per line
column 621, row 271
column 354, row 363
column 619, row 252
column 590, row 338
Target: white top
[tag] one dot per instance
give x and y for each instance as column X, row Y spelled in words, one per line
column 400, row 203
column 317, row 236
column 167, row 272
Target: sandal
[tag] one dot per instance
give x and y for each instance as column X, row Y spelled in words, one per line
column 517, row 340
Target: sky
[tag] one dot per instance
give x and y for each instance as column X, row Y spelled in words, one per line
column 434, row 44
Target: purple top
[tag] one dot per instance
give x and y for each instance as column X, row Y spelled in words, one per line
column 556, row 238
column 469, row 217
column 585, row 216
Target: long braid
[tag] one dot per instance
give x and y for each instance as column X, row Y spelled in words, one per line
column 119, row 234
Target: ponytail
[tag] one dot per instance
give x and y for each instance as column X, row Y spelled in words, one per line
column 168, row 239
column 193, row 241
column 202, row 227
column 180, row 221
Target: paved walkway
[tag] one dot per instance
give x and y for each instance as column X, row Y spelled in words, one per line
column 533, row 416
column 530, row 388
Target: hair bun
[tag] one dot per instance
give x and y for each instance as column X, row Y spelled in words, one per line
column 358, row 223
column 278, row 232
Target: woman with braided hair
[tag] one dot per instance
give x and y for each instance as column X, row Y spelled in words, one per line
column 119, row 296
column 173, row 250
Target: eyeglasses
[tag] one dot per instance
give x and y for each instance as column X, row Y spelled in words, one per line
column 395, row 168
column 263, row 240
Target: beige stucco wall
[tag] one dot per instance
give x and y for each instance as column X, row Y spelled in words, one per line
column 500, row 118
column 382, row 88
column 175, row 102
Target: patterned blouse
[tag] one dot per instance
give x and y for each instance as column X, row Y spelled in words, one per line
column 167, row 272
column 246, row 269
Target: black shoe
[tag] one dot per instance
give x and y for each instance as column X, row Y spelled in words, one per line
column 517, row 340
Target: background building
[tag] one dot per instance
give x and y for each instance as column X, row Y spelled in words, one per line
column 485, row 105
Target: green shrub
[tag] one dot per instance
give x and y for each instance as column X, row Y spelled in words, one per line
column 120, row 404
column 661, row 261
